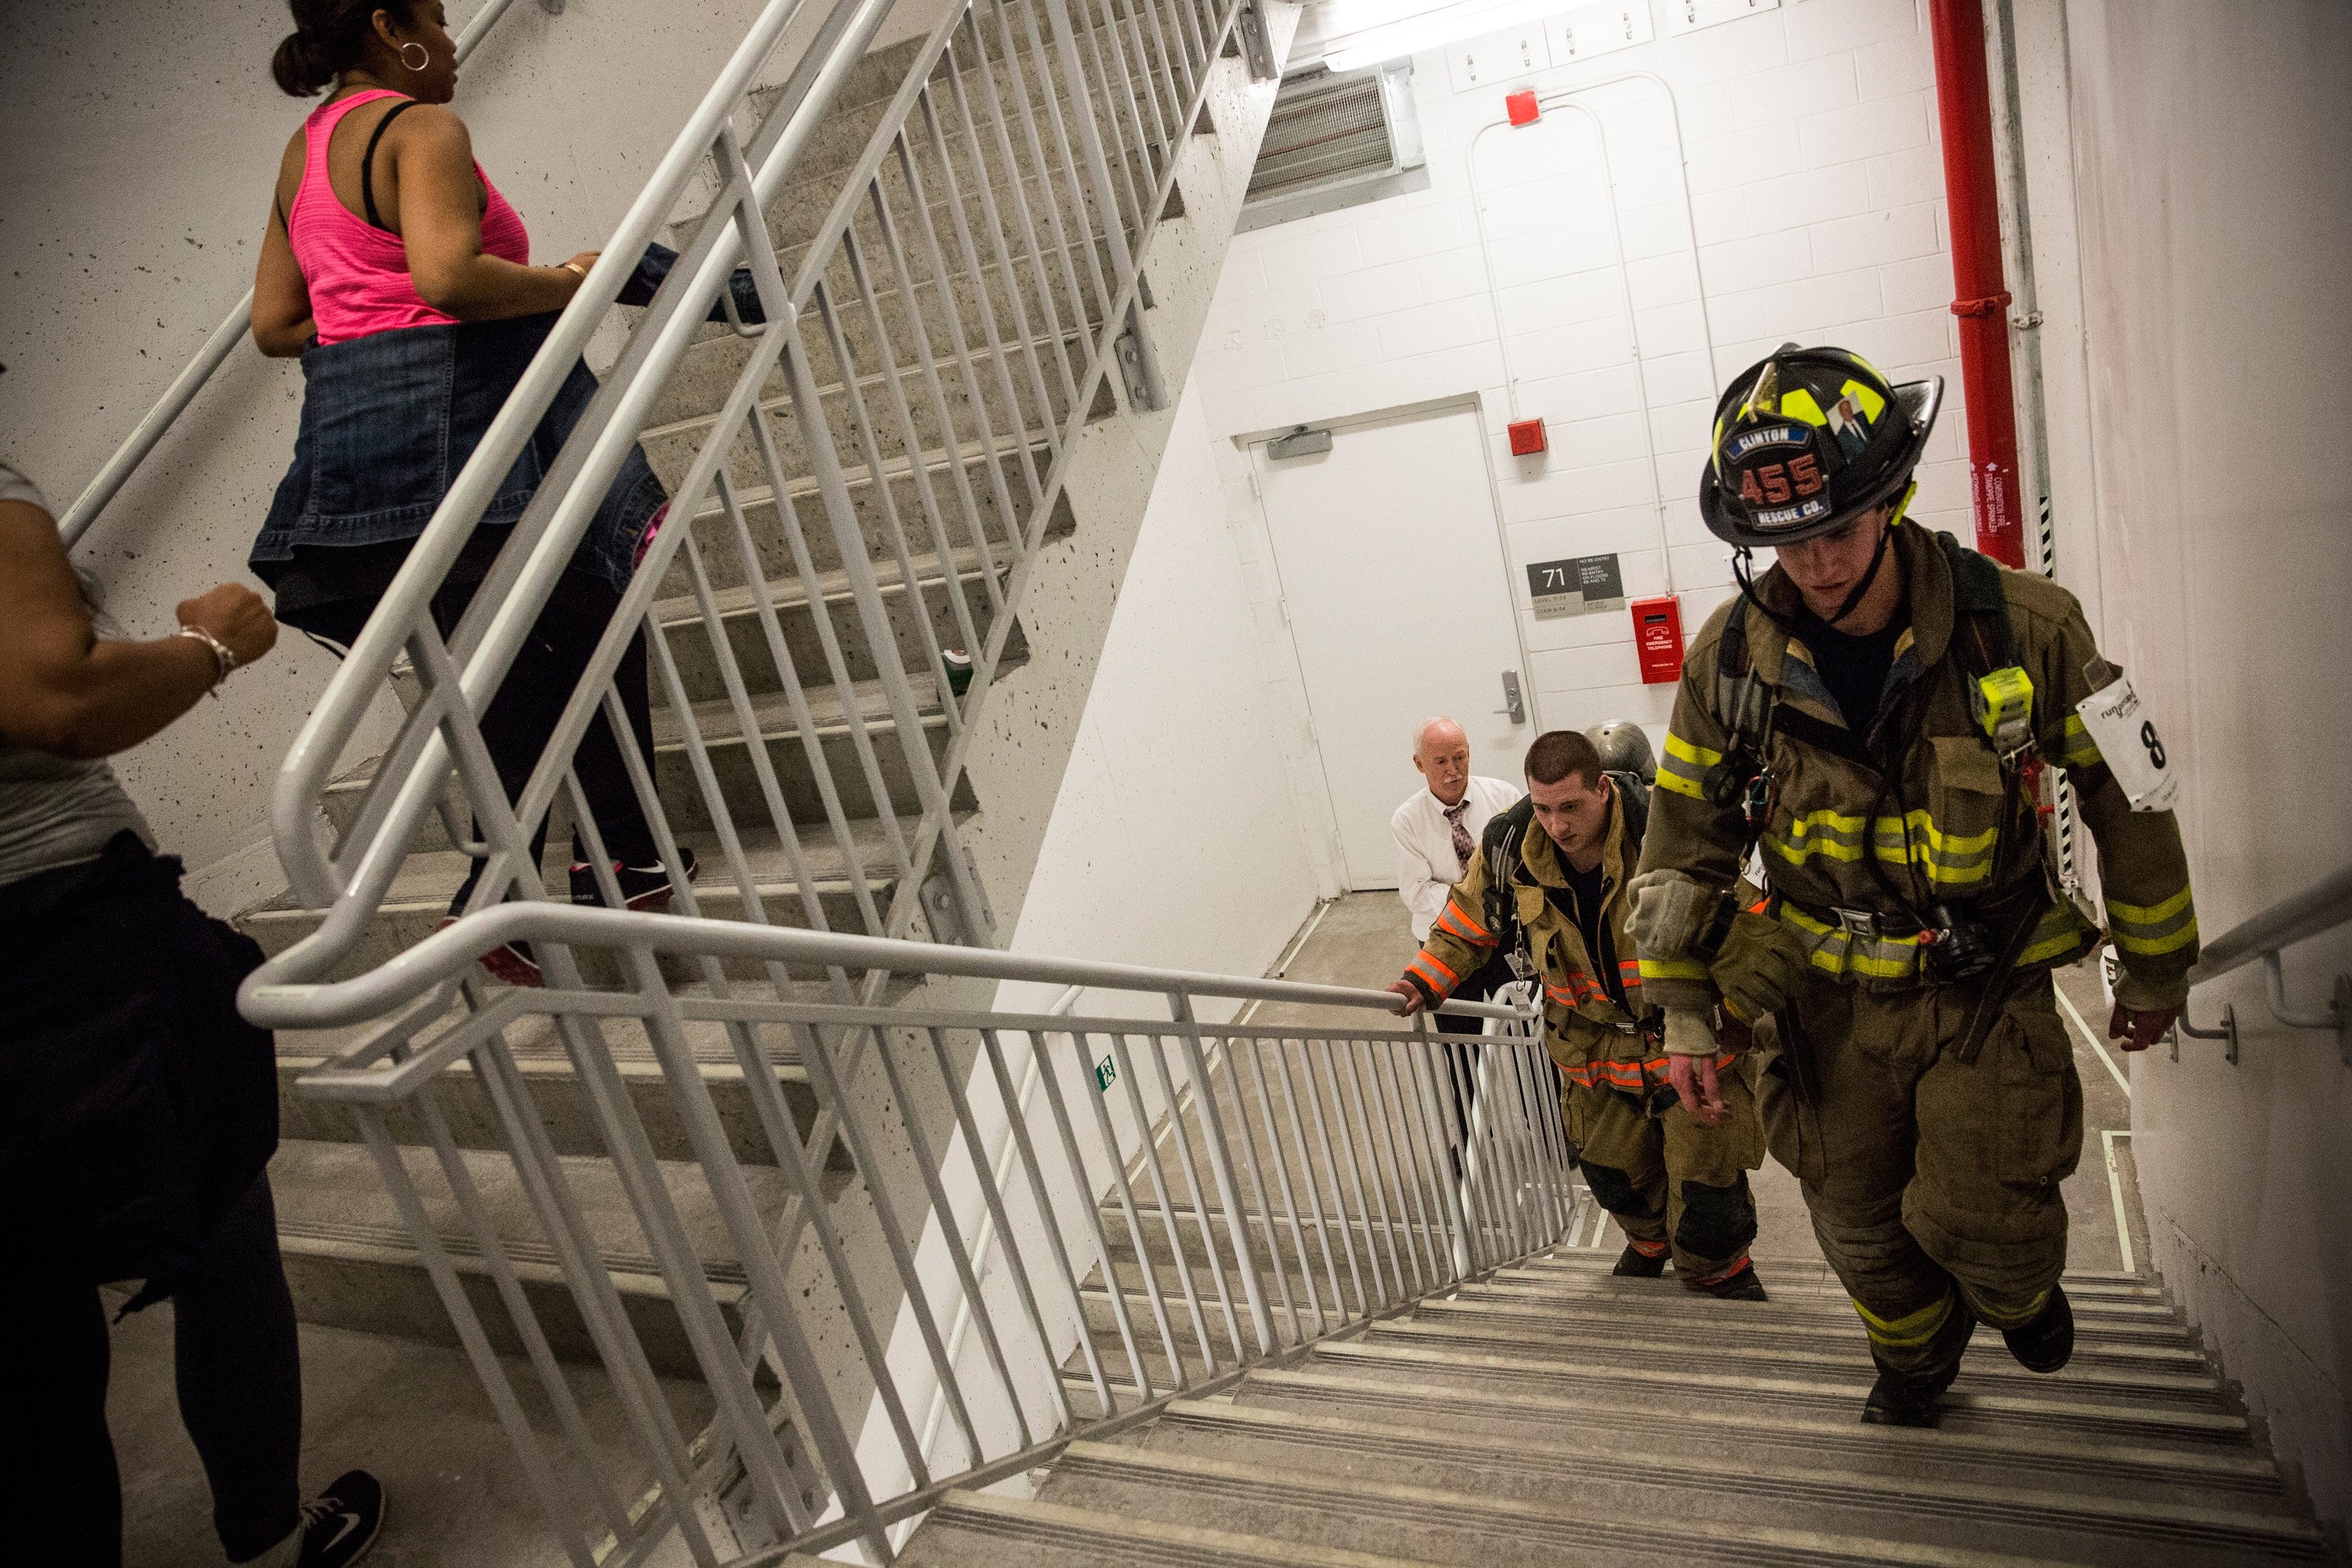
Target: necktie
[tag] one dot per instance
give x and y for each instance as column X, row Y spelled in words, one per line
column 1462, row 845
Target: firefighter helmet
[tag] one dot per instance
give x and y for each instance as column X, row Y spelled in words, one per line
column 1624, row 749
column 1806, row 441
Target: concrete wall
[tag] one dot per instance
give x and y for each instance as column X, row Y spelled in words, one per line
column 1813, row 210
column 2220, row 238
column 143, row 139
column 1173, row 840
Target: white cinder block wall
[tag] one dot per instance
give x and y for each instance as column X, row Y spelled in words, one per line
column 2218, row 245
column 1776, row 177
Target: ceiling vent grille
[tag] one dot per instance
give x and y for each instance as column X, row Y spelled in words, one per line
column 1335, row 139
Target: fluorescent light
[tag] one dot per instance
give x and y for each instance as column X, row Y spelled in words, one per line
column 1427, row 29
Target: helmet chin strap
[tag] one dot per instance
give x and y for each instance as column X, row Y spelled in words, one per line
column 1741, row 574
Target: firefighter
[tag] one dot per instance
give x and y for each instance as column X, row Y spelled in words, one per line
column 1547, row 883
column 1877, row 714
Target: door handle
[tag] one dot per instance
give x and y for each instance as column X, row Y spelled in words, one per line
column 1513, row 703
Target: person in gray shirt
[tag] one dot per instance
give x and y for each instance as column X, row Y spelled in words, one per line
column 138, row 1111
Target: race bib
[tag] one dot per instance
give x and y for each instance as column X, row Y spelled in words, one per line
column 2128, row 742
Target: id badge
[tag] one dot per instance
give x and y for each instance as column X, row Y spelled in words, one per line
column 2119, row 725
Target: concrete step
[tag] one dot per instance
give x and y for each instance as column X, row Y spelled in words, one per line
column 1434, row 1524
column 1428, row 1394
column 419, row 898
column 2183, row 1380
column 1693, row 1385
column 796, row 625
column 722, row 558
column 1620, row 1477
column 2145, row 1322
column 969, row 1529
column 562, row 1105
column 352, row 1264
column 976, row 409
column 2082, row 1286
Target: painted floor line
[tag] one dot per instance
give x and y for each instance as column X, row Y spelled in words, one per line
column 2092, row 1041
column 2115, row 1191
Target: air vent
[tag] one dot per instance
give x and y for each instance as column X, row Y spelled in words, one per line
column 1335, row 139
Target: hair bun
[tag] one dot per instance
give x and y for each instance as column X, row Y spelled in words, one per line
column 297, row 66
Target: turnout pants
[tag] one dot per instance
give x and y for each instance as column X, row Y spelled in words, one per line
column 1931, row 1182
column 1669, row 1182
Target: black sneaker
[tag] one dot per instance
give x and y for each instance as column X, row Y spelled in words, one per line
column 511, row 962
column 341, row 1524
column 1634, row 1263
column 1908, row 1398
column 1741, row 1285
column 642, row 887
column 2047, row 1342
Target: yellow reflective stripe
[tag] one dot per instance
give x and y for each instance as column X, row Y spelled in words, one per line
column 1869, row 402
column 2155, row 947
column 2149, row 914
column 2152, row 930
column 1909, row 1331
column 1668, row 779
column 1831, row 948
column 2077, row 749
column 1673, row 969
column 1684, row 770
column 2061, row 931
column 1950, row 858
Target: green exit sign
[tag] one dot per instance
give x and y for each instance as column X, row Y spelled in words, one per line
column 1104, row 1075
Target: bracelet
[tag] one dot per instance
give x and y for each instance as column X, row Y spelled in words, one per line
column 574, row 267
column 222, row 658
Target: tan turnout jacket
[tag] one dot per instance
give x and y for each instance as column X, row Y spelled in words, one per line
column 1940, row 829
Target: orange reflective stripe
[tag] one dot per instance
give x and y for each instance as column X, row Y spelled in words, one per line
column 1468, row 927
column 1615, row 1073
column 1429, row 969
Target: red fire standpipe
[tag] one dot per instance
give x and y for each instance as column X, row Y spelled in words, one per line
column 1981, row 294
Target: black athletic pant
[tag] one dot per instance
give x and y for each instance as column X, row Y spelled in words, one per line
column 532, row 697
column 240, row 1388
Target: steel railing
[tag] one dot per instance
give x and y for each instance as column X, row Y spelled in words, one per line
column 2262, row 937
column 1163, row 1204
column 978, row 277
column 126, row 459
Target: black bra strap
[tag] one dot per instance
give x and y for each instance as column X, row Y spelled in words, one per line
column 367, row 161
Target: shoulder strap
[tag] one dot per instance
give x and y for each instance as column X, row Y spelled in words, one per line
column 367, row 161
column 1977, row 598
column 1635, row 797
column 1499, row 841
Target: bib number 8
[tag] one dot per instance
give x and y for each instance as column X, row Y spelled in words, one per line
column 2118, row 723
column 2155, row 747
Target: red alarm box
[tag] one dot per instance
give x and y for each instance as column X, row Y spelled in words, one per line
column 1527, row 437
column 1521, row 107
column 1658, row 638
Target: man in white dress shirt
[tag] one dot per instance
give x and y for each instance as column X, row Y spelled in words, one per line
column 1436, row 832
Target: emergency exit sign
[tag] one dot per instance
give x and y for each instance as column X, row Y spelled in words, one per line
column 1574, row 586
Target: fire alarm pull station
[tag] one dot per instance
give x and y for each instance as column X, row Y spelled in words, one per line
column 1527, row 437
column 1521, row 107
column 1658, row 638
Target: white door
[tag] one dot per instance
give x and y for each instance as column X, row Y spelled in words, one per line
column 1400, row 606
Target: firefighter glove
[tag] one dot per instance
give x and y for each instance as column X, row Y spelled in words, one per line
column 1758, row 968
column 1688, row 1033
column 1669, row 912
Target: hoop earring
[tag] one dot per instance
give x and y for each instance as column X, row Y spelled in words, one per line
column 421, row 49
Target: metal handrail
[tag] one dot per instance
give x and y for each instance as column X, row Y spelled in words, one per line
column 117, row 469
column 1076, row 178
column 2263, row 936
column 1263, row 1188
column 448, row 954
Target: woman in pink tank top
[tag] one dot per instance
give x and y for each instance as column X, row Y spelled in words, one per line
column 403, row 279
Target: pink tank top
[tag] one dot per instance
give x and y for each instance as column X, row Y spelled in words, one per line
column 358, row 273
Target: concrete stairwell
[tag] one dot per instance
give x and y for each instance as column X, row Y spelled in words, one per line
column 351, row 1260
column 1551, row 1414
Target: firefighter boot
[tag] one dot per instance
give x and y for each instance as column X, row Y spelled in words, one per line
column 1634, row 1263
column 1903, row 1398
column 1741, row 1284
column 2047, row 1342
